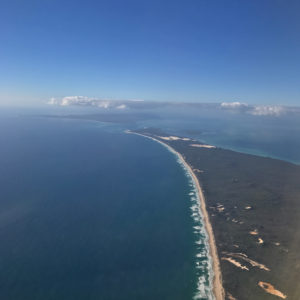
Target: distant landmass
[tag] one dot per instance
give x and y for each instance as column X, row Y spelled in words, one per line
column 117, row 117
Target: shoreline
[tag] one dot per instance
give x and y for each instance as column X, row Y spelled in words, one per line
column 217, row 288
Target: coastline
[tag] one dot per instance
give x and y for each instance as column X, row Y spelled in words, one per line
column 217, row 287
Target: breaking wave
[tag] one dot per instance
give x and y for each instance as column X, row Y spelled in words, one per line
column 203, row 260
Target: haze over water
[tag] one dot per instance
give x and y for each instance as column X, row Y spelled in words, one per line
column 270, row 136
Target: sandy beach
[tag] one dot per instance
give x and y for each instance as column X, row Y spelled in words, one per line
column 218, row 290
column 217, row 280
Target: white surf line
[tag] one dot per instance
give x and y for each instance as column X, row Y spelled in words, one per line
column 215, row 277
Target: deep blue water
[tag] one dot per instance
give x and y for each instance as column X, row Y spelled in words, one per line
column 88, row 212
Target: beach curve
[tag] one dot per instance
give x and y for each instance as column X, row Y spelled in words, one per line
column 217, row 287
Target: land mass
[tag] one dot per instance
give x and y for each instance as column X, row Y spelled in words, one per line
column 253, row 206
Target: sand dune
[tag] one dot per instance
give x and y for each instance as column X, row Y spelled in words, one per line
column 269, row 288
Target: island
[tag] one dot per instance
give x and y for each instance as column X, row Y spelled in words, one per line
column 251, row 210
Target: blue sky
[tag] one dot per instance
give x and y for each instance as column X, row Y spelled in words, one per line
column 203, row 51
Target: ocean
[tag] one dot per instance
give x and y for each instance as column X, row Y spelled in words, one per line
column 89, row 212
column 269, row 136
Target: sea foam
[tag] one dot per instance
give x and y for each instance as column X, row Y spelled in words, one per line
column 203, row 260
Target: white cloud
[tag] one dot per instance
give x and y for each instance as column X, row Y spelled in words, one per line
column 267, row 110
column 256, row 110
column 53, row 101
column 79, row 100
column 86, row 101
column 122, row 106
column 103, row 104
column 69, row 100
column 233, row 105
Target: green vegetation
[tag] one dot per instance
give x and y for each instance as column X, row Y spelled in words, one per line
column 254, row 208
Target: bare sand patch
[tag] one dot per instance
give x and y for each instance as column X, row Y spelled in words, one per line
column 202, row 146
column 220, row 208
column 173, row 138
column 260, row 241
column 230, row 297
column 252, row 262
column 254, row 232
column 236, row 263
column 269, row 288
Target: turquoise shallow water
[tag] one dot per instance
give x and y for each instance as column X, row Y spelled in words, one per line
column 270, row 136
column 88, row 212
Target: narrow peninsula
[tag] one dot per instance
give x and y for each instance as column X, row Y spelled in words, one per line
column 251, row 210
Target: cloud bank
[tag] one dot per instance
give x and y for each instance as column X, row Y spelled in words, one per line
column 87, row 101
column 256, row 110
column 124, row 105
column 233, row 105
column 268, row 110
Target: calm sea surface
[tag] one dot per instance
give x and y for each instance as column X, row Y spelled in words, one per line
column 271, row 136
column 88, row 212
